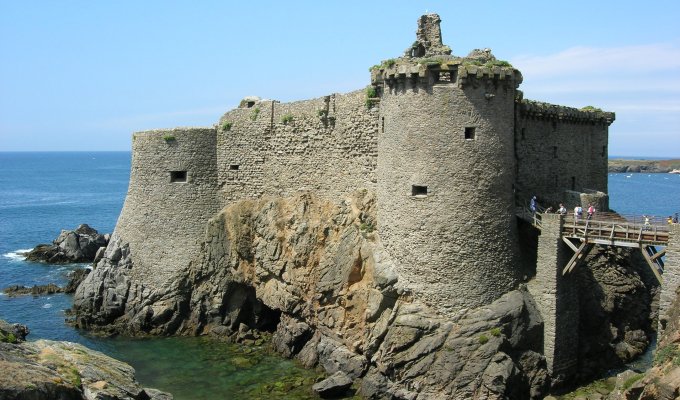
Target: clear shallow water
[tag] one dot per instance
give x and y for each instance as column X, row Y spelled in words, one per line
column 41, row 193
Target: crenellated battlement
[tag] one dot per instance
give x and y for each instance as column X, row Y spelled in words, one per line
column 546, row 111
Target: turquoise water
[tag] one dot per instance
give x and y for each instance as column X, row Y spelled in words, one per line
column 41, row 193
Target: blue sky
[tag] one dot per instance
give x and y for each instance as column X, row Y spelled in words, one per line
column 84, row 75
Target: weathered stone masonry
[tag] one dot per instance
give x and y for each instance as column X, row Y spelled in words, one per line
column 448, row 144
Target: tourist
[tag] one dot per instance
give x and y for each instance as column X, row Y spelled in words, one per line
column 591, row 211
column 548, row 210
column 670, row 220
column 532, row 205
column 647, row 224
column 562, row 210
column 675, row 218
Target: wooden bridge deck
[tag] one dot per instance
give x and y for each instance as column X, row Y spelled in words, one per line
column 610, row 229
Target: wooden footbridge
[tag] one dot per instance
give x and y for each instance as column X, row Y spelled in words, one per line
column 610, row 229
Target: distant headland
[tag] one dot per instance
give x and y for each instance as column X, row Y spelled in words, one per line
column 636, row 165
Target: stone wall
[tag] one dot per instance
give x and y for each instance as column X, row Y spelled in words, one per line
column 556, row 298
column 445, row 203
column 161, row 219
column 559, row 148
column 671, row 276
column 326, row 145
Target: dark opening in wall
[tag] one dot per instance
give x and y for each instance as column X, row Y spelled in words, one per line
column 604, row 151
column 554, row 151
column 524, row 131
column 573, row 183
column 382, row 127
column 250, row 104
column 178, row 176
column 418, row 190
column 469, row 133
column 554, row 125
column 233, row 167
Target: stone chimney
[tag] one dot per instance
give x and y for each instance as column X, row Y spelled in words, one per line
column 428, row 38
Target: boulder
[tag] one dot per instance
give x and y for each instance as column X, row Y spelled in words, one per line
column 76, row 246
column 334, row 386
column 47, row 369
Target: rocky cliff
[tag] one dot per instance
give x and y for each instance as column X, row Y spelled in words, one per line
column 315, row 275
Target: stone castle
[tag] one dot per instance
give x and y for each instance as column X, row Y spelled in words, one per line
column 448, row 144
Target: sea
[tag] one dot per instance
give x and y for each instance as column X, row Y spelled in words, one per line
column 44, row 192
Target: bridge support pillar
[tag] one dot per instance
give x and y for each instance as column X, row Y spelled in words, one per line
column 671, row 276
column 556, row 297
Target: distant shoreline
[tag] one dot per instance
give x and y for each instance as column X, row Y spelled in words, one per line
column 648, row 166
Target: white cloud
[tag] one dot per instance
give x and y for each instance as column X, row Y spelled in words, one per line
column 636, row 60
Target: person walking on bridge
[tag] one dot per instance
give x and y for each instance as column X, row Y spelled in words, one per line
column 562, row 210
column 591, row 211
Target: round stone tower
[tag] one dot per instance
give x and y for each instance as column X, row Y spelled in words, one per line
column 446, row 169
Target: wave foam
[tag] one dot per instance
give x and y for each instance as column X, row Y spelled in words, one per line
column 17, row 255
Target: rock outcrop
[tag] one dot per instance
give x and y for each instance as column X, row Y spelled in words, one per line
column 617, row 293
column 48, row 369
column 315, row 276
column 76, row 246
column 75, row 278
column 662, row 381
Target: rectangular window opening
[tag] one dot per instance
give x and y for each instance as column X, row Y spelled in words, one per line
column 573, row 183
column 470, row 133
column 604, row 151
column 524, row 131
column 554, row 151
column 178, row 176
column 382, row 128
column 418, row 190
column 233, row 167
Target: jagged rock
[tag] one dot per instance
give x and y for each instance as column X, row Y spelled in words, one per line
column 76, row 246
column 333, row 386
column 12, row 333
column 75, row 278
column 616, row 298
column 47, row 369
column 36, row 290
column 302, row 268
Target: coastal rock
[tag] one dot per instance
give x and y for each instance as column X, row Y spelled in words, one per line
column 76, row 246
column 307, row 270
column 47, row 369
column 333, row 386
column 12, row 333
column 36, row 290
column 618, row 309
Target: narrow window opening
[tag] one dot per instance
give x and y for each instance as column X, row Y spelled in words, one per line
column 178, row 176
column 604, row 151
column 418, row 190
column 382, row 127
column 524, row 131
column 233, row 167
column 554, row 151
column 250, row 104
column 573, row 183
column 554, row 125
column 470, row 133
